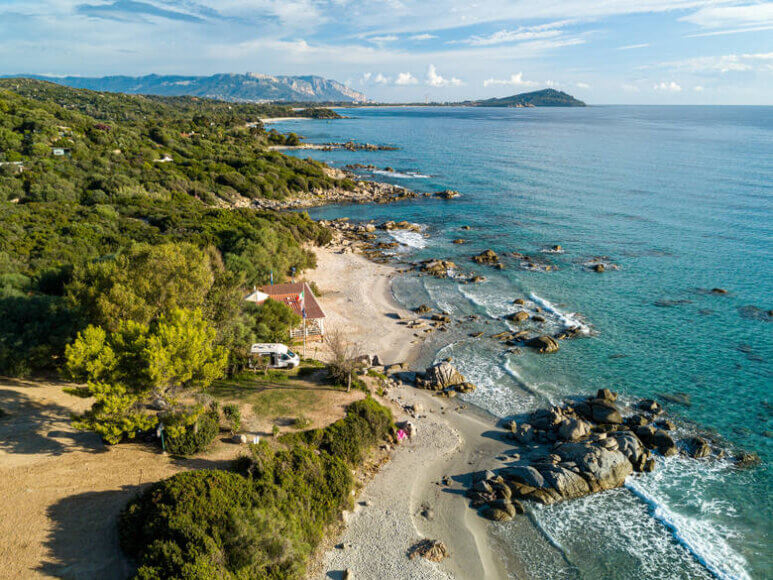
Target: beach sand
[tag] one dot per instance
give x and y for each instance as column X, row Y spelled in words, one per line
column 452, row 440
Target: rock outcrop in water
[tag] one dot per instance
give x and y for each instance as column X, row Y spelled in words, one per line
column 581, row 447
column 444, row 378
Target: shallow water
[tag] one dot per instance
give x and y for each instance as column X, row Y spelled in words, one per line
column 680, row 199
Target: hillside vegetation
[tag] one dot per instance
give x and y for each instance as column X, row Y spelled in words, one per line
column 128, row 272
column 543, row 98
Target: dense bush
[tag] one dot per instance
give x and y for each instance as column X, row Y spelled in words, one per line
column 261, row 524
column 197, row 437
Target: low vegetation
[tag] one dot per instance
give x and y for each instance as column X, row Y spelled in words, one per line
column 262, row 522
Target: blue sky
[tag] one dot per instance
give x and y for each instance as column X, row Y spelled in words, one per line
column 602, row 51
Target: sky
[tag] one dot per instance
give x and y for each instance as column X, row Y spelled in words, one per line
column 601, row 51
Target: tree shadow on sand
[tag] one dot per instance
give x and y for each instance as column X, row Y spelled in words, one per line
column 34, row 427
column 83, row 542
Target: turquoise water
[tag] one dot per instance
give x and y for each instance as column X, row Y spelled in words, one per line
column 681, row 200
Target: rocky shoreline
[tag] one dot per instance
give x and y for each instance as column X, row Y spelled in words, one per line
column 582, row 446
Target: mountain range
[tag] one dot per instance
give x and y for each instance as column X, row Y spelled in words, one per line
column 249, row 87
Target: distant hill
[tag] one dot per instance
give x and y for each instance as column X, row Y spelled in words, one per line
column 250, row 87
column 543, row 98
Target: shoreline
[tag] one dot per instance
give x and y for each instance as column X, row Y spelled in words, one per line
column 453, row 440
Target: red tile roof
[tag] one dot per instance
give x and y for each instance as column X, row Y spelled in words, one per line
column 289, row 294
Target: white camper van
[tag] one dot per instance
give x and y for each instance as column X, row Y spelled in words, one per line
column 278, row 355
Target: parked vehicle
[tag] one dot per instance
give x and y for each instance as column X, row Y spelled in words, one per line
column 277, row 355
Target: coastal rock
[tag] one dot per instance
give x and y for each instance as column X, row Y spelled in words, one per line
column 447, row 194
column 518, row 317
column 606, row 395
column 664, row 443
column 487, row 257
column 525, row 474
column 678, row 398
column 520, row 301
column 439, row 377
column 546, row 419
column 438, row 268
column 605, row 412
column 432, row 550
column 601, row 468
column 543, row 344
column 573, row 429
column 650, row 406
column 696, row 447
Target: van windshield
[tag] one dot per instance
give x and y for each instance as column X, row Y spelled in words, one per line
column 290, row 354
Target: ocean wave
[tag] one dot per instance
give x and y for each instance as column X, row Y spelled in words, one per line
column 568, row 319
column 400, row 174
column 492, row 304
column 438, row 294
column 704, row 539
column 414, row 240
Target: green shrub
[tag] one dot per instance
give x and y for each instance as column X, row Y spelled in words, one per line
column 208, row 524
column 262, row 522
column 301, row 422
column 194, row 440
column 233, row 416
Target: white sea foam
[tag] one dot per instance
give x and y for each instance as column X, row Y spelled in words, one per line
column 439, row 294
column 567, row 319
column 492, row 303
column 414, row 240
column 701, row 534
column 400, row 174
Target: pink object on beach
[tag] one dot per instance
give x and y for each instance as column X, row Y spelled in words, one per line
column 401, row 435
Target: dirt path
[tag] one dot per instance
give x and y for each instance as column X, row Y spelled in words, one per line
column 62, row 489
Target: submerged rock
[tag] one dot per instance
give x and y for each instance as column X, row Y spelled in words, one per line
column 543, row 344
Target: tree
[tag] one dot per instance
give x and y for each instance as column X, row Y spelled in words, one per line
column 141, row 283
column 273, row 321
column 343, row 357
column 137, row 364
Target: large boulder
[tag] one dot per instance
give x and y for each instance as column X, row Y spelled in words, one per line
column 543, row 344
column 601, row 468
column 440, row 377
column 488, row 257
column 571, row 429
column 518, row 317
column 546, row 419
column 664, row 443
column 697, row 447
column 525, row 474
column 630, row 446
column 565, row 482
column 604, row 411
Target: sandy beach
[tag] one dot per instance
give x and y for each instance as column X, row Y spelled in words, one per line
column 452, row 441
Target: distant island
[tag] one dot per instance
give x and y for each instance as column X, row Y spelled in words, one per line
column 249, row 87
column 543, row 98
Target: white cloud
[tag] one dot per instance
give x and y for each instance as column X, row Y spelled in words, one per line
column 406, row 78
column 732, row 19
column 670, row 87
column 760, row 62
column 698, row 89
column 633, row 46
column 582, row 85
column 515, row 80
column 423, row 37
column 629, row 88
column 434, row 79
column 380, row 79
column 540, row 31
column 385, row 38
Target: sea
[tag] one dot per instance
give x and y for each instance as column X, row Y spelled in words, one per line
column 675, row 201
